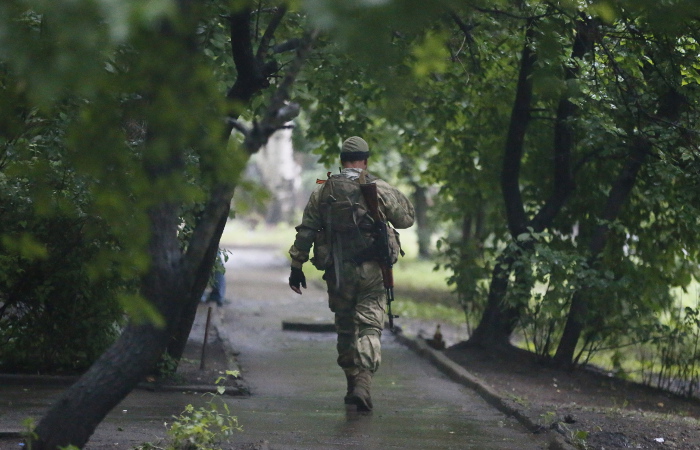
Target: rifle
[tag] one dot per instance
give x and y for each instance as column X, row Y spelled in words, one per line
column 369, row 192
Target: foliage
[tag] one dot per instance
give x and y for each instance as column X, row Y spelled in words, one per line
column 93, row 108
column 447, row 113
column 201, row 428
column 144, row 133
column 90, row 97
column 670, row 360
column 47, row 237
column 166, row 367
column 99, row 144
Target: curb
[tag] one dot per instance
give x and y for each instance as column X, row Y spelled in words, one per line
column 65, row 381
column 460, row 375
column 11, row 434
column 11, row 379
column 231, row 353
column 198, row 389
column 302, row 325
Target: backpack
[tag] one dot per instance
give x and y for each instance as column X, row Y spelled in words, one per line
column 348, row 232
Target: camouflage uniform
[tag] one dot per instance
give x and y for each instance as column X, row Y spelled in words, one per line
column 359, row 299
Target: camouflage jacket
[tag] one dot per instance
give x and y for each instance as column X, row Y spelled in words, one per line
column 393, row 205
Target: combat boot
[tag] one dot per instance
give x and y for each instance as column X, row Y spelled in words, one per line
column 360, row 394
column 351, row 387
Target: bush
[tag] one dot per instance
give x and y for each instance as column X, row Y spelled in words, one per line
column 53, row 317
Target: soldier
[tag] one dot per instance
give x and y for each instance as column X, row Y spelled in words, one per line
column 336, row 222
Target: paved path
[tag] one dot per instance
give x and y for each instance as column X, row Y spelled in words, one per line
column 297, row 389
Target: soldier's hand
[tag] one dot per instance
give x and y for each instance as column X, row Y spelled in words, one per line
column 297, row 279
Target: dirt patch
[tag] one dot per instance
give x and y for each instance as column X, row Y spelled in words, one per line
column 601, row 411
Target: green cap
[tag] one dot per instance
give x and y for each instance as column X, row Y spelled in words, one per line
column 354, row 149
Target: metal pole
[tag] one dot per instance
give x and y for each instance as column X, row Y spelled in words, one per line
column 206, row 336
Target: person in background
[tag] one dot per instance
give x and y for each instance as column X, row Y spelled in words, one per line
column 218, row 283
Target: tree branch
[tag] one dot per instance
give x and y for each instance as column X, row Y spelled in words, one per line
column 264, row 45
column 509, row 14
column 249, row 77
column 279, row 111
column 520, row 116
column 563, row 132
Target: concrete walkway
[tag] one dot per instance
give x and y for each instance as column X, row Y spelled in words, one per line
column 297, row 389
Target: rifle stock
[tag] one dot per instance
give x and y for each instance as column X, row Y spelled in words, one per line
column 369, row 192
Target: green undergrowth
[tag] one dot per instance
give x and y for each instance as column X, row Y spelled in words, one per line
column 207, row 427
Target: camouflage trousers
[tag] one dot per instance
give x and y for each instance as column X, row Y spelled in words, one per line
column 359, row 315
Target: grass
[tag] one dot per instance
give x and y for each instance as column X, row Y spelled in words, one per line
column 416, row 274
column 238, row 233
column 437, row 312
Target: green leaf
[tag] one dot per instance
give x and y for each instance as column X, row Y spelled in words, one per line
column 431, row 55
column 140, row 310
column 25, row 245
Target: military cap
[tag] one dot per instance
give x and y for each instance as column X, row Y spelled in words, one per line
column 354, row 149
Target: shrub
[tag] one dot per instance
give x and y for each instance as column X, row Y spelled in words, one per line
column 54, row 318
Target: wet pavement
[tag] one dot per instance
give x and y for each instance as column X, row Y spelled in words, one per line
column 297, row 389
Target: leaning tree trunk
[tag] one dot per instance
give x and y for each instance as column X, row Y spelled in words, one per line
column 181, row 331
column 171, row 281
column 253, row 72
column 85, row 404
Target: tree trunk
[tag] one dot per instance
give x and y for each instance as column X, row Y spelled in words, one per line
column 670, row 105
column 252, row 77
column 181, row 332
column 74, row 417
column 81, row 408
column 494, row 324
column 494, row 328
column 420, row 202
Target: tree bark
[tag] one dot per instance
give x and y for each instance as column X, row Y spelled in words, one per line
column 420, row 202
column 670, row 106
column 181, row 333
column 74, row 417
column 253, row 73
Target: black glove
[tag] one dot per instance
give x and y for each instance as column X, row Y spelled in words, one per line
column 297, row 278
